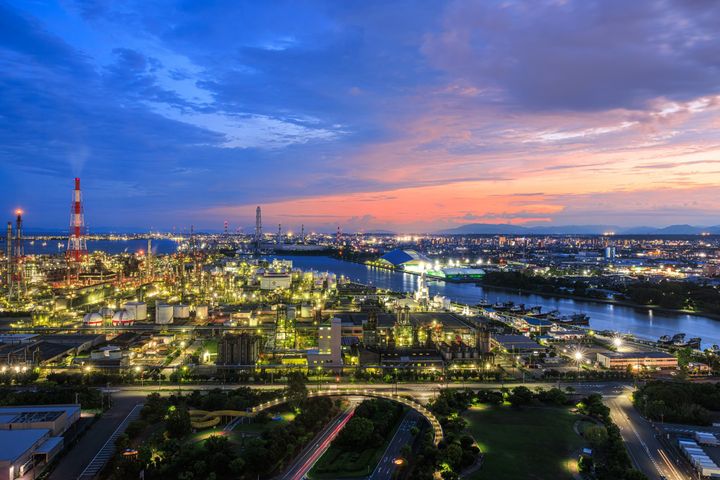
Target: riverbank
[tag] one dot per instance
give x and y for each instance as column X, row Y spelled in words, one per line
column 606, row 301
column 642, row 321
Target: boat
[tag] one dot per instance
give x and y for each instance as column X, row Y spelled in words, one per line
column 665, row 339
column 574, row 319
column 692, row 343
column 484, row 303
column 678, row 338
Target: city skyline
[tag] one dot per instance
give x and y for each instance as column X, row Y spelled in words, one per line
column 401, row 116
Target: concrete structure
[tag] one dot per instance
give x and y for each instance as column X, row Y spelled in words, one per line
column 238, row 350
column 181, row 312
column 163, row 314
column 138, row 309
column 30, row 436
column 329, row 352
column 122, row 318
column 516, row 344
column 201, row 312
column 409, row 260
column 623, row 360
column 272, row 280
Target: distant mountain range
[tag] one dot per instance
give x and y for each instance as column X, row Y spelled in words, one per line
column 508, row 229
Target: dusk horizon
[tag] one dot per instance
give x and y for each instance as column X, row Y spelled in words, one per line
column 395, row 116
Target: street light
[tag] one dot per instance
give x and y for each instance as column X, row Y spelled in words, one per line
column 617, row 342
column 578, row 355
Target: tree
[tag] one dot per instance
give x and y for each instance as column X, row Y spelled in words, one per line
column 296, row 390
column 453, row 455
column 177, row 422
column 520, row 396
column 596, row 435
column 357, row 433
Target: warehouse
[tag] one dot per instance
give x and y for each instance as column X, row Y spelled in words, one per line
column 654, row 360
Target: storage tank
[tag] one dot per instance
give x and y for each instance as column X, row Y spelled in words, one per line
column 138, row 309
column 163, row 313
column 107, row 312
column 181, row 311
column 201, row 312
column 93, row 319
column 123, row 317
column 291, row 312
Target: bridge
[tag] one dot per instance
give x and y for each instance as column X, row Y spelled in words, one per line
column 205, row 419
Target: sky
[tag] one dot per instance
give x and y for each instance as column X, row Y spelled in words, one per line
column 409, row 116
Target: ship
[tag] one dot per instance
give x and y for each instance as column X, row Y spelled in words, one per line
column 574, row 319
column 678, row 340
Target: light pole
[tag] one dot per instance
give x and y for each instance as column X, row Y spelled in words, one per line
column 578, row 358
column 139, row 371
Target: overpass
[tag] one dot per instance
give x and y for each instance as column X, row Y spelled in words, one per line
column 205, row 419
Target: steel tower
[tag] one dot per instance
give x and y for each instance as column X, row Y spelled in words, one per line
column 258, row 228
column 17, row 285
column 8, row 256
column 77, row 245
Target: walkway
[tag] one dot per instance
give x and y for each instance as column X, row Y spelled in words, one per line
column 108, row 449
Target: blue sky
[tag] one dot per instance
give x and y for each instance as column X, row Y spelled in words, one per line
column 411, row 116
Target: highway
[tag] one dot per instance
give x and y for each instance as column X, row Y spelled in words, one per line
column 386, row 466
column 312, row 453
column 645, row 450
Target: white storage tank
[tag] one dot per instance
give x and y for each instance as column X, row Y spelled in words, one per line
column 163, row 313
column 201, row 312
column 181, row 311
column 138, row 309
column 93, row 319
column 123, row 317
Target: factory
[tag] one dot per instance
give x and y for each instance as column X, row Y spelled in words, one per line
column 31, row 436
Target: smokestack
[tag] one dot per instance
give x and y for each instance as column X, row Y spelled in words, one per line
column 258, row 228
column 77, row 246
column 8, row 255
column 148, row 257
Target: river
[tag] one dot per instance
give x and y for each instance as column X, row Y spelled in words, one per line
column 642, row 322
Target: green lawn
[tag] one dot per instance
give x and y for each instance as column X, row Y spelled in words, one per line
column 529, row 444
column 236, row 435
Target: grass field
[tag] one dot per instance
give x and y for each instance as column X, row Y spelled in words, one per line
column 530, row 444
column 235, row 436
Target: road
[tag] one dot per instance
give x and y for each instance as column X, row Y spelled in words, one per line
column 386, row 465
column 79, row 456
column 641, row 440
column 312, row 453
column 645, row 450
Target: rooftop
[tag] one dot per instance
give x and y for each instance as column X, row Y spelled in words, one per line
column 13, row 443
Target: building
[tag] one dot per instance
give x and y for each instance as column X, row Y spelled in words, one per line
column 408, row 260
column 329, row 351
column 623, row 360
column 417, row 329
column 31, row 436
column 272, row 280
column 237, row 350
column 515, row 344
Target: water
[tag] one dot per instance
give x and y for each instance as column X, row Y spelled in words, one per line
column 53, row 247
column 642, row 322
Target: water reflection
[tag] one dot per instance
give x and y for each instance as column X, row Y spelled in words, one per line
column 642, row 322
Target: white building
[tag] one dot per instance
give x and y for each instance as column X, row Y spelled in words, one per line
column 329, row 352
